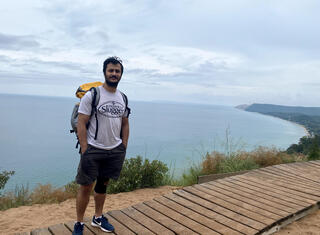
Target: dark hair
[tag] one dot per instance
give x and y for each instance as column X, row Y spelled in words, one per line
column 112, row 60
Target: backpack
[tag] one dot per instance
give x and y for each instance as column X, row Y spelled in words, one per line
column 95, row 93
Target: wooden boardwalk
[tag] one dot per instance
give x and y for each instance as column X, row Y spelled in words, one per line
column 258, row 202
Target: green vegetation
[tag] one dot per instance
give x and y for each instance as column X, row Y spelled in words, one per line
column 217, row 163
column 271, row 108
column 136, row 173
column 309, row 117
column 4, row 177
column 308, row 145
column 311, row 123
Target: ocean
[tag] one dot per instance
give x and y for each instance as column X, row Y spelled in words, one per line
column 36, row 143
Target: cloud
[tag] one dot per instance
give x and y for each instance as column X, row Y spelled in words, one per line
column 217, row 51
column 14, row 42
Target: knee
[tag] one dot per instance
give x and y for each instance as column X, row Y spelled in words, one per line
column 101, row 186
column 85, row 189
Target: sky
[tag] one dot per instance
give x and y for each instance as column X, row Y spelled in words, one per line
column 227, row 52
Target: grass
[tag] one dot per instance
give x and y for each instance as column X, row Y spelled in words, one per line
column 142, row 173
column 136, row 173
column 233, row 161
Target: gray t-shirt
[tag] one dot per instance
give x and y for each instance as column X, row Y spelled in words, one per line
column 111, row 108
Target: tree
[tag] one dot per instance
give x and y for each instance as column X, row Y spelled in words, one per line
column 314, row 152
column 4, row 177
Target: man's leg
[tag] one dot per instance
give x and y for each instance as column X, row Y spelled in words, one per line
column 83, row 197
column 100, row 196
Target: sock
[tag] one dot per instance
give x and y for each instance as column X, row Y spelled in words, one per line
column 98, row 217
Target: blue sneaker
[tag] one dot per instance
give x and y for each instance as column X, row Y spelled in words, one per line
column 102, row 223
column 78, row 229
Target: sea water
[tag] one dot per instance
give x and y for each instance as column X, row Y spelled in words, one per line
column 36, row 143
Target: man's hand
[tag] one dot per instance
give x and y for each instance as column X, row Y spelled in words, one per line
column 82, row 131
column 125, row 144
column 83, row 150
column 125, row 131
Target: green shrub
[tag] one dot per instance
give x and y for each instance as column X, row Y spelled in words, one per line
column 237, row 163
column 72, row 188
column 138, row 173
column 212, row 163
column 190, row 176
column 4, row 177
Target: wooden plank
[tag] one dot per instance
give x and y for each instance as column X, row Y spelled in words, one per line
column 24, row 233
column 146, row 221
column 304, row 169
column 86, row 230
column 59, row 229
column 239, row 208
column 222, row 229
column 292, row 174
column 309, row 172
column 237, row 200
column 266, row 194
column 271, row 210
column 266, row 185
column 305, row 178
column 221, row 210
column 272, row 172
column 185, row 221
column 284, row 185
column 119, row 228
column 162, row 219
column 292, row 184
column 130, row 223
column 41, row 231
column 304, row 166
column 311, row 164
column 315, row 162
column 222, row 219
column 252, row 198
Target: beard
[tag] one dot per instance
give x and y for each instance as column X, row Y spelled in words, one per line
column 111, row 84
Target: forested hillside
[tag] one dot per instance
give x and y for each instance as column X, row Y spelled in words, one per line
column 309, row 117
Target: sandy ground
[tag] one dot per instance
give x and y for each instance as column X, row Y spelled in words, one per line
column 27, row 218
column 309, row 225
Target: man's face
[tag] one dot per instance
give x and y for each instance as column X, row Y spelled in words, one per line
column 113, row 74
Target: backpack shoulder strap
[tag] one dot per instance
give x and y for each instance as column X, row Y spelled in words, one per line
column 95, row 93
column 125, row 99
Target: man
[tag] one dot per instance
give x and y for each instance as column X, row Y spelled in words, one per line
column 102, row 152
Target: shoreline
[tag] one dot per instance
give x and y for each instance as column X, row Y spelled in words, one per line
column 295, row 123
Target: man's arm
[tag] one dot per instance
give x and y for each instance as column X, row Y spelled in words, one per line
column 125, row 131
column 82, row 131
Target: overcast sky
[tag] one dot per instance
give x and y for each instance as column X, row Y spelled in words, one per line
column 202, row 51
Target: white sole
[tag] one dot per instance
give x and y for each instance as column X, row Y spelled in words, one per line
column 98, row 226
